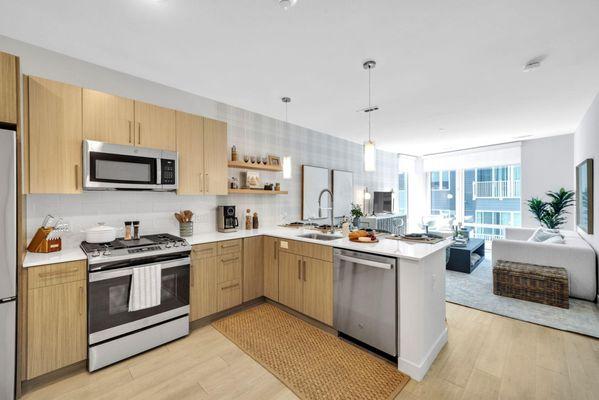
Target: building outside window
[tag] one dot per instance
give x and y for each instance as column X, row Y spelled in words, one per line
column 402, row 196
column 443, row 193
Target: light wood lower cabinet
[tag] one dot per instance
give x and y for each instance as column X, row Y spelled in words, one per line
column 318, row 289
column 203, row 271
column 306, row 284
column 56, row 317
column 253, row 268
column 55, row 134
column 290, row 280
column 271, row 267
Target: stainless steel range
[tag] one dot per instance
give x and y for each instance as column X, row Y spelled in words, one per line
column 114, row 332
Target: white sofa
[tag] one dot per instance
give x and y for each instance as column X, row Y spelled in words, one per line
column 575, row 255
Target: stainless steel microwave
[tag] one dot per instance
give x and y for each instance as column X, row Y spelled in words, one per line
column 108, row 166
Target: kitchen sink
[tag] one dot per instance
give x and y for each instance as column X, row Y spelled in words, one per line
column 319, row 236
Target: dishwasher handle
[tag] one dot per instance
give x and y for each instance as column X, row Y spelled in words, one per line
column 363, row 261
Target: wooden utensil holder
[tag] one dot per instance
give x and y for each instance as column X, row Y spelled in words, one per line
column 41, row 244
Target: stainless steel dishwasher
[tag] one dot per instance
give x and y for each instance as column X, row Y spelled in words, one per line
column 365, row 291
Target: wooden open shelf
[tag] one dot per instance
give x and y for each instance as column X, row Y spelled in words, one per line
column 249, row 165
column 256, row 191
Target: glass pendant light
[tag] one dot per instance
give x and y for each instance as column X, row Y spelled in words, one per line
column 286, row 159
column 369, row 148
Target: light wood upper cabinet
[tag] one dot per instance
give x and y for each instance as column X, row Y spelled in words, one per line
column 108, row 118
column 155, row 126
column 271, row 267
column 318, row 289
column 290, row 280
column 55, row 136
column 215, row 157
column 8, row 88
column 190, row 146
column 253, row 268
column 203, row 282
column 56, row 318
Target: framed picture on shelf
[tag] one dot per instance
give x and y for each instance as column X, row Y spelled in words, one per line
column 274, row 160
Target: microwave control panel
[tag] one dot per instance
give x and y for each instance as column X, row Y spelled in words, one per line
column 168, row 172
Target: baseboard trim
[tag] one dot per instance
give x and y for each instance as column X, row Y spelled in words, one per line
column 199, row 323
column 418, row 371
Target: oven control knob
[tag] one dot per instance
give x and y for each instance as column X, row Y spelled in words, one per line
column 169, row 245
column 96, row 253
column 107, row 252
column 176, row 244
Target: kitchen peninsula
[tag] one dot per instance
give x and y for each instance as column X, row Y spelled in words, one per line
column 421, row 328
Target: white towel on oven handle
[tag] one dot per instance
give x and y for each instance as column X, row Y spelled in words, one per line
column 145, row 287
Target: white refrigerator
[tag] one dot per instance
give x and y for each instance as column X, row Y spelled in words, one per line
column 8, row 263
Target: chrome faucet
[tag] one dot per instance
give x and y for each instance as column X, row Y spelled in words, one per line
column 332, row 208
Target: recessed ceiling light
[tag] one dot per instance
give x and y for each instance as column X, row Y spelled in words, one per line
column 287, row 4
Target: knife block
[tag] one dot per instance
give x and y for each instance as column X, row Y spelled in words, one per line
column 41, row 244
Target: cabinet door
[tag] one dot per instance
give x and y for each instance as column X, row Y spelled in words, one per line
column 56, row 327
column 229, row 294
column 155, row 126
column 318, row 289
column 190, row 145
column 54, row 137
column 8, row 88
column 229, row 267
column 203, row 284
column 271, row 268
column 107, row 118
column 253, row 268
column 215, row 157
column 290, row 280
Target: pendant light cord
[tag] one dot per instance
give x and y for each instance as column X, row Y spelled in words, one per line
column 369, row 102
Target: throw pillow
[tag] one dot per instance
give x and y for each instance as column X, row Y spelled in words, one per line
column 544, row 235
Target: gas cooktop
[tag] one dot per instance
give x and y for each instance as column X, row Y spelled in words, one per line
column 148, row 245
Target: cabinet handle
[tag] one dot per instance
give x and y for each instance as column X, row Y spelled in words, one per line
column 229, row 287
column 77, row 176
column 299, row 269
column 207, row 184
column 58, row 273
column 139, row 133
column 201, row 182
column 81, row 300
column 229, row 259
column 191, row 274
column 130, row 132
column 275, row 249
column 304, row 271
column 228, row 246
column 210, row 250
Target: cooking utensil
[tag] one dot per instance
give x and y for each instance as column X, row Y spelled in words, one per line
column 100, row 233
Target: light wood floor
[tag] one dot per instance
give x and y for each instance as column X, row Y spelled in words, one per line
column 487, row 357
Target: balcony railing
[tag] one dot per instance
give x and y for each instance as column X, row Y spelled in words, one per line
column 496, row 190
column 477, row 233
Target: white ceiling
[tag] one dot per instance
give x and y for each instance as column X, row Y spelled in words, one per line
column 449, row 73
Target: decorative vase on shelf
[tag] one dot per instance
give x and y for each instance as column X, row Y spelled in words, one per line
column 356, row 222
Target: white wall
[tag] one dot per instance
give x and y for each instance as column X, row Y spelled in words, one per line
column 252, row 134
column 586, row 145
column 547, row 164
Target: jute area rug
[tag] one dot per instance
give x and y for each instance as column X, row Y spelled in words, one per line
column 312, row 363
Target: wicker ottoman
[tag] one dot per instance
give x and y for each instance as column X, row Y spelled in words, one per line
column 546, row 285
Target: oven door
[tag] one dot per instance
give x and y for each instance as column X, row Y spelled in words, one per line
column 111, row 166
column 108, row 301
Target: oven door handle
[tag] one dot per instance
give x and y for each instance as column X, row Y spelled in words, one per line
column 117, row 273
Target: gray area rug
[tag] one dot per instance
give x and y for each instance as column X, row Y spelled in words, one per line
column 476, row 290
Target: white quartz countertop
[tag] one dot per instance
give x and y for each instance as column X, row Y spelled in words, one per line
column 385, row 247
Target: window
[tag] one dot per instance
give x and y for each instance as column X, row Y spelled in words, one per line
column 440, row 180
column 403, row 193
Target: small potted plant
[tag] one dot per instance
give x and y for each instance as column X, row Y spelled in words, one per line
column 356, row 212
column 551, row 214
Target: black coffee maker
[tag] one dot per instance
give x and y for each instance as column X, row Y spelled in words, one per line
column 226, row 219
